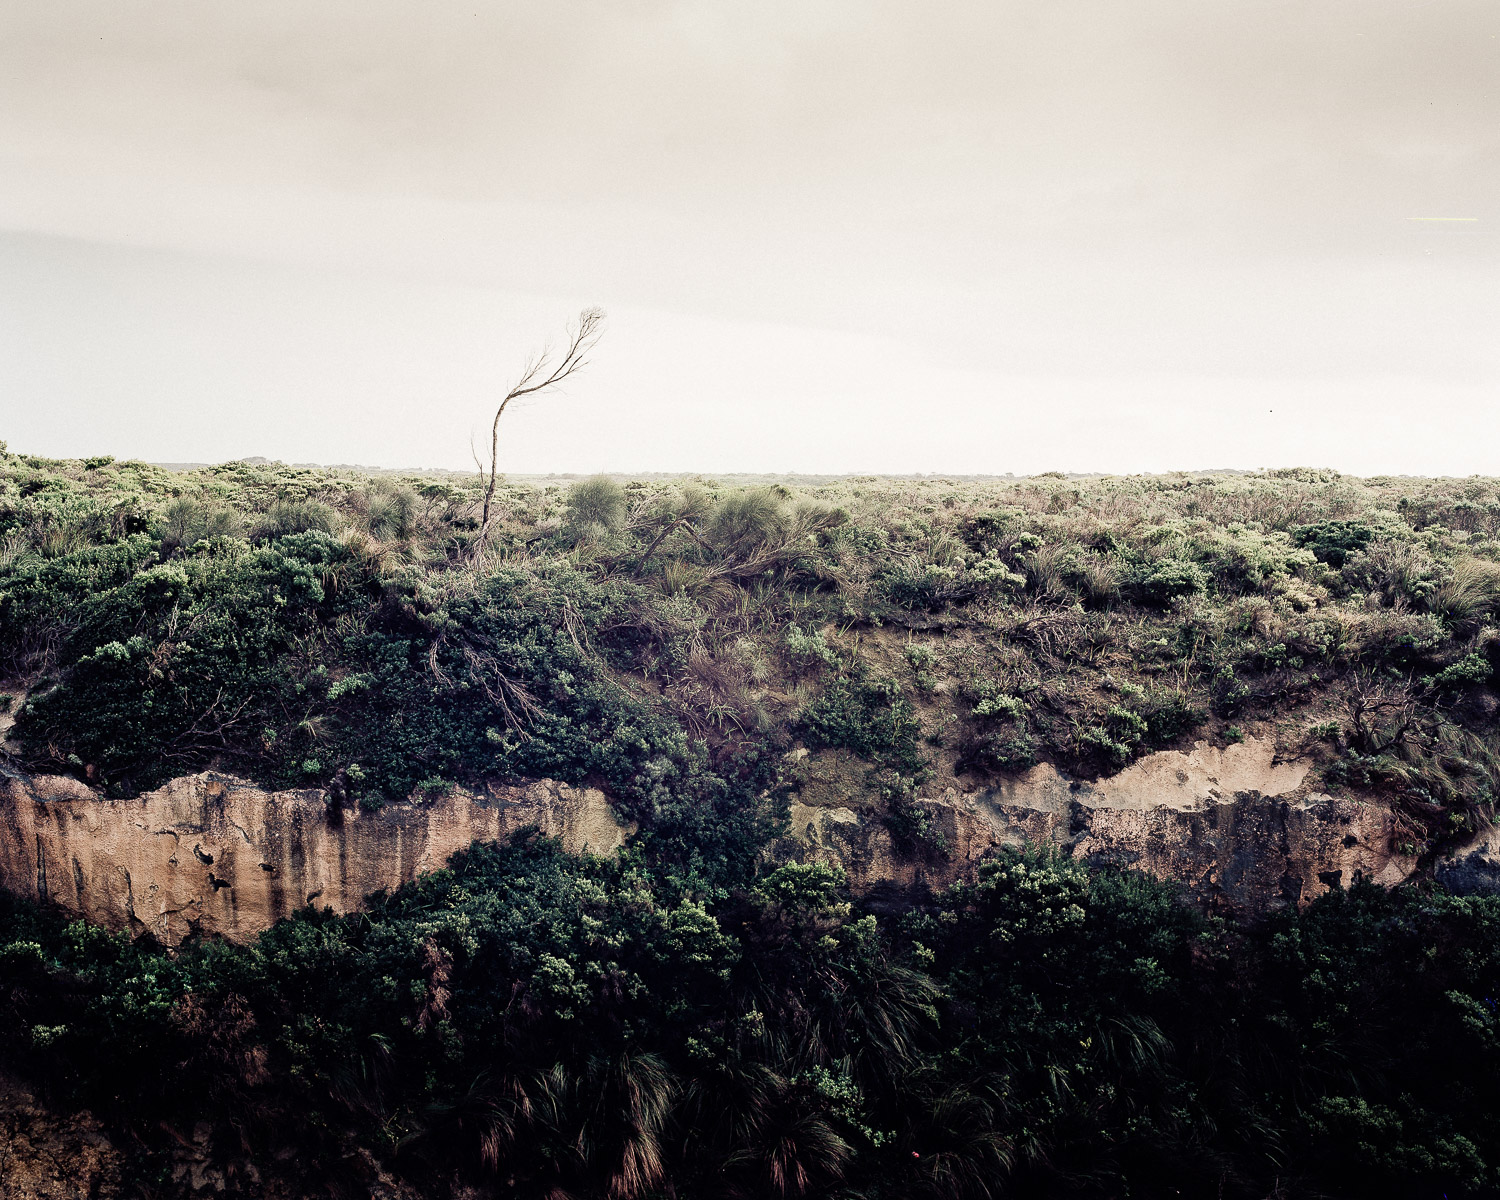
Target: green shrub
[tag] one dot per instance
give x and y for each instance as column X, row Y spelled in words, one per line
column 915, row 585
column 596, row 503
column 1333, row 541
column 1472, row 668
column 181, row 662
column 868, row 716
column 1398, row 571
column 41, row 599
column 1117, row 736
column 991, row 702
column 1171, row 579
column 809, row 649
column 1168, row 715
column 743, row 522
column 996, row 751
column 188, row 521
column 391, row 513
column 1247, row 560
column 293, row 516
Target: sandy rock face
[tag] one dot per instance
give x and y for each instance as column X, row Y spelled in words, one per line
column 1233, row 824
column 215, row 854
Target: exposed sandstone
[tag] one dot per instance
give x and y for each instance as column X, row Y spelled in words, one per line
column 1236, row 826
column 215, row 854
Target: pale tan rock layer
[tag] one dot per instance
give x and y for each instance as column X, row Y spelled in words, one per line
column 1233, row 824
column 213, row 853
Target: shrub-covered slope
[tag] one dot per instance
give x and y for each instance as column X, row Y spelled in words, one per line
column 664, row 639
column 687, row 1021
column 533, row 1025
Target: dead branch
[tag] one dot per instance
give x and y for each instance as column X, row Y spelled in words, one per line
column 541, row 373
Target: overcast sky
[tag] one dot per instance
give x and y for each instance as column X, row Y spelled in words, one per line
column 1119, row 235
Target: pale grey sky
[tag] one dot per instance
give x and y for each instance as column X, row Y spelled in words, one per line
column 1118, row 235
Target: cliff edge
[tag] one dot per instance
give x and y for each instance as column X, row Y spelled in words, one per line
column 213, row 854
column 1239, row 828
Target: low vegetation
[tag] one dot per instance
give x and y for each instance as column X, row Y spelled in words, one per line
column 688, row 1021
column 538, row 1025
column 664, row 637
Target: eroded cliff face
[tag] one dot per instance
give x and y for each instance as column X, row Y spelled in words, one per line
column 215, row 854
column 49, row 1155
column 1238, row 828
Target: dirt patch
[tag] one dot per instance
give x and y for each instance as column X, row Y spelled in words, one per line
column 53, row 1156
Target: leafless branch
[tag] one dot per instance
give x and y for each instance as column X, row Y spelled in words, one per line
column 510, row 697
column 543, row 372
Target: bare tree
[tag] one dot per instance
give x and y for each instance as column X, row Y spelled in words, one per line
column 546, row 370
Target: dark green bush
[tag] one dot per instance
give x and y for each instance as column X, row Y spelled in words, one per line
column 40, row 598
column 915, row 585
column 868, row 716
column 533, row 1017
column 1168, row 715
column 997, row 751
column 1169, row 579
column 182, row 662
column 1333, row 541
column 1472, row 668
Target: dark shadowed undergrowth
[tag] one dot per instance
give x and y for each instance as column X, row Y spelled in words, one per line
column 542, row 1025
